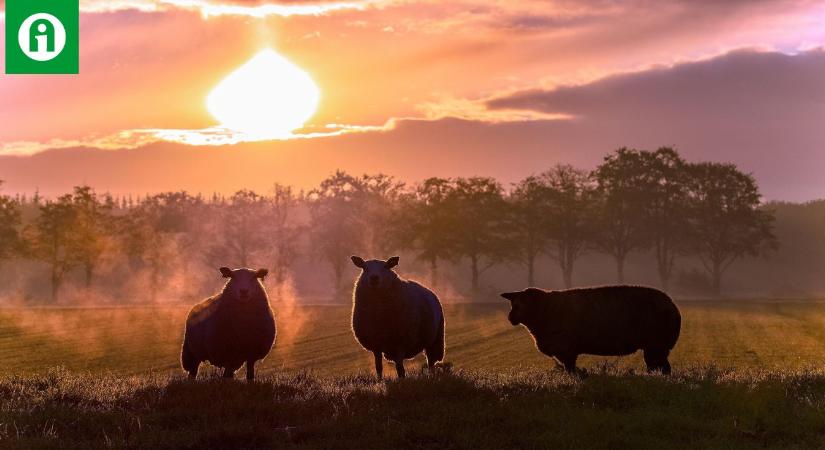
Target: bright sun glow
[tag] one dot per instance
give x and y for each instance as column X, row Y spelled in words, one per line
column 268, row 97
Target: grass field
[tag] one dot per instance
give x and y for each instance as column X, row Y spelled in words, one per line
column 761, row 334
column 748, row 374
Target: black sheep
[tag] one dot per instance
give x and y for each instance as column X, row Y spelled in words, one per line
column 232, row 328
column 604, row 321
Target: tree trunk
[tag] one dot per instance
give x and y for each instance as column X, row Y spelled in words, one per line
column 55, row 283
column 620, row 269
column 153, row 282
column 716, row 279
column 338, row 273
column 531, row 269
column 89, row 274
column 664, row 264
column 434, row 272
column 567, row 274
column 474, row 270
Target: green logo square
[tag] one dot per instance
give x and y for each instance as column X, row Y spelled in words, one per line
column 42, row 36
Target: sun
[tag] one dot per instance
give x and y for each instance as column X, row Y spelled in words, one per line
column 268, row 97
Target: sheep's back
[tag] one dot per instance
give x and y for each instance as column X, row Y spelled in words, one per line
column 199, row 323
column 616, row 320
column 429, row 313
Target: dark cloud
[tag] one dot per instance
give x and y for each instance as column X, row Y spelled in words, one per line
column 761, row 110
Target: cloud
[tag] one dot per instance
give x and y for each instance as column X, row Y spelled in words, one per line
column 760, row 110
column 477, row 110
column 209, row 8
column 205, row 137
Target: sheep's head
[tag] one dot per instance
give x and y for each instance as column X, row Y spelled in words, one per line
column 376, row 274
column 522, row 303
column 244, row 284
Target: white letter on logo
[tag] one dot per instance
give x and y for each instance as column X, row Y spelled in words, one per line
column 41, row 52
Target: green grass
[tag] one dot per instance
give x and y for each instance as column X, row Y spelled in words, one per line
column 748, row 374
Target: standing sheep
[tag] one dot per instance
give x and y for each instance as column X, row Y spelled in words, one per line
column 231, row 328
column 394, row 317
column 604, row 321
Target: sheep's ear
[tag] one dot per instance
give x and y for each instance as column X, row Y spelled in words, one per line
column 358, row 261
column 511, row 295
column 262, row 273
column 392, row 262
column 226, row 272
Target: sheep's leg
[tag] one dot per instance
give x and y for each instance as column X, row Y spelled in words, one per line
column 399, row 367
column 189, row 362
column 228, row 373
column 379, row 365
column 657, row 360
column 250, row 370
column 569, row 362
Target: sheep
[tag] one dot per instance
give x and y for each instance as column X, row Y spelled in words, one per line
column 604, row 321
column 231, row 328
column 394, row 317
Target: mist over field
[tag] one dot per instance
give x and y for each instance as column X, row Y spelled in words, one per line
column 470, row 238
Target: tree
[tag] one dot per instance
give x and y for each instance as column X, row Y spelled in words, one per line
column 91, row 229
column 50, row 239
column 378, row 200
column 10, row 221
column 424, row 223
column 570, row 196
column 621, row 184
column 336, row 231
column 284, row 234
column 478, row 229
column 666, row 211
column 728, row 223
column 241, row 234
column 532, row 204
column 352, row 214
column 156, row 231
column 552, row 214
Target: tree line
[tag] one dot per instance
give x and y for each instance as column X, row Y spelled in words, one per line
column 634, row 201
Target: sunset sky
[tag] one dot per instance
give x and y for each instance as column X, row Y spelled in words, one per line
column 419, row 88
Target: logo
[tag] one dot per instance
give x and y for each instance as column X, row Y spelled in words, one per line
column 44, row 42
column 42, row 37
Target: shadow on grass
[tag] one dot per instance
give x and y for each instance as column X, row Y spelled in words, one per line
column 698, row 408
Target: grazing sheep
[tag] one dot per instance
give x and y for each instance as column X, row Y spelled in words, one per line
column 394, row 317
column 605, row 321
column 231, row 328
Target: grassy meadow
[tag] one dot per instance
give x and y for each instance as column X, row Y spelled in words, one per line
column 747, row 374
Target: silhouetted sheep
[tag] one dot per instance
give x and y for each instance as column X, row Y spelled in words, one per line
column 394, row 317
column 605, row 321
column 231, row 328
